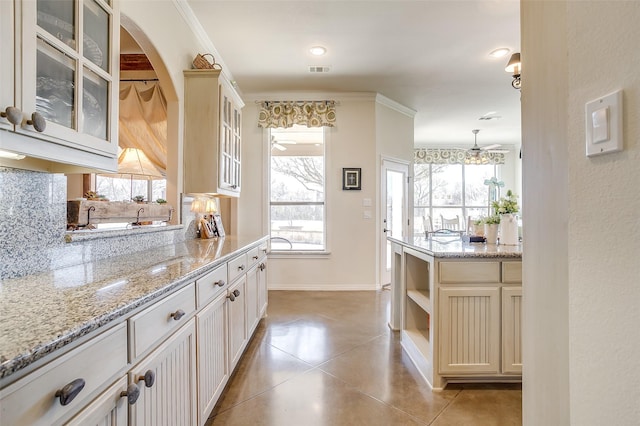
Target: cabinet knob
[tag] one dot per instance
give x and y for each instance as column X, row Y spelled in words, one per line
column 231, row 297
column 149, row 378
column 38, row 122
column 236, row 293
column 12, row 114
column 70, row 391
column 255, row 257
column 132, row 393
column 219, row 283
column 234, row 186
column 241, row 268
column 177, row 314
column 262, row 266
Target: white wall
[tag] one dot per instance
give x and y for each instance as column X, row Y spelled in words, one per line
column 352, row 240
column 581, row 276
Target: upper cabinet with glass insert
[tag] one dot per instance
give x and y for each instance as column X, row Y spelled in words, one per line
column 212, row 134
column 65, row 81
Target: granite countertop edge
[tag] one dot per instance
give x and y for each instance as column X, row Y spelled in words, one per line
column 457, row 249
column 16, row 362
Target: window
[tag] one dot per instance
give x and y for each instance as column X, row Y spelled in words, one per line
column 450, row 190
column 297, row 196
column 124, row 189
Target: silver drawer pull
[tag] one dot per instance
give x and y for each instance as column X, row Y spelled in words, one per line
column 70, row 391
column 219, row 283
column 177, row 314
column 241, row 268
column 255, row 258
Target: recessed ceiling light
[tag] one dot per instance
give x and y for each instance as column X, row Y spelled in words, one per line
column 500, row 52
column 319, row 51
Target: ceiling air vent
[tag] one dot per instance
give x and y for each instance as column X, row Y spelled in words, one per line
column 315, row 70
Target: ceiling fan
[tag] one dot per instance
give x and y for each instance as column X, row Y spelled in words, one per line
column 476, row 150
column 280, row 144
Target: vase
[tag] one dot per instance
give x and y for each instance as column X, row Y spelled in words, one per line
column 491, row 233
column 509, row 229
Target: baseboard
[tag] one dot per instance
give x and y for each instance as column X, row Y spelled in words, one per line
column 323, row 287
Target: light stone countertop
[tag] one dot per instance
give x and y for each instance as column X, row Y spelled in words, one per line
column 44, row 312
column 454, row 247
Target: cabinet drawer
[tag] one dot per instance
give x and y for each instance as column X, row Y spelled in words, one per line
column 469, row 272
column 32, row 400
column 210, row 285
column 511, row 272
column 253, row 256
column 157, row 321
column 237, row 267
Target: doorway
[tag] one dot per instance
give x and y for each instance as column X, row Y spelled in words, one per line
column 394, row 206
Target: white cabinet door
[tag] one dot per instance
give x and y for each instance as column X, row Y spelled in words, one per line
column 6, row 60
column 172, row 399
column 64, row 80
column 263, row 290
column 212, row 119
column 469, row 330
column 237, row 320
column 213, row 365
column 110, row 408
column 253, row 313
column 512, row 330
column 230, row 140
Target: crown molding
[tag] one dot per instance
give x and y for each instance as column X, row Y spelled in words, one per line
column 198, row 30
column 383, row 100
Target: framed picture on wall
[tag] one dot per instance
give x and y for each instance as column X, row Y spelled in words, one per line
column 351, row 178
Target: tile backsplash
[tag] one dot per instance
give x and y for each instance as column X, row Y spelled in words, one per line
column 33, row 221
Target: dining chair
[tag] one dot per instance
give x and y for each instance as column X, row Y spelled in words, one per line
column 452, row 224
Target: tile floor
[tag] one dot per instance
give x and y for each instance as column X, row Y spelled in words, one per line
column 328, row 358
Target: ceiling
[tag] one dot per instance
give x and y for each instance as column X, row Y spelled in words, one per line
column 429, row 55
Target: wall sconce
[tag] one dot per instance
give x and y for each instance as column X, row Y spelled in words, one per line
column 515, row 67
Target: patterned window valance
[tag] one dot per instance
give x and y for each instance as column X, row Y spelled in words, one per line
column 306, row 113
column 454, row 156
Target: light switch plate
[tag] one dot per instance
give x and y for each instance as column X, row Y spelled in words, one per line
column 604, row 124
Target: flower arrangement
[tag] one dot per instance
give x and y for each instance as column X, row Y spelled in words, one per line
column 506, row 205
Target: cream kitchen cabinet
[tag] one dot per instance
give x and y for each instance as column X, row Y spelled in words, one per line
column 60, row 389
column 458, row 311
column 237, row 296
column 162, row 364
column 480, row 318
column 212, row 338
column 212, row 134
column 110, row 408
column 64, row 81
column 171, row 397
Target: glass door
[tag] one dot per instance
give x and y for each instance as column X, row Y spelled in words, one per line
column 394, row 197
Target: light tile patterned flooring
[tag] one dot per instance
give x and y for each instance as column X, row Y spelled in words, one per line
column 329, row 359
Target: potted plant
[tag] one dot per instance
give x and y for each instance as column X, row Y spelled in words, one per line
column 138, row 199
column 507, row 207
column 161, row 201
column 491, row 224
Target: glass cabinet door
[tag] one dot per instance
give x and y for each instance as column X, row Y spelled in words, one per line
column 6, row 60
column 70, row 70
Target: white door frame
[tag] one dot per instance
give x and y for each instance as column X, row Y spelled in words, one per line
column 401, row 166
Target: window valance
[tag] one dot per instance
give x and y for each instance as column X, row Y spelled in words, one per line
column 285, row 114
column 454, row 156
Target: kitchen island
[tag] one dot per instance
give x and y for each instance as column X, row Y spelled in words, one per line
column 76, row 342
column 457, row 306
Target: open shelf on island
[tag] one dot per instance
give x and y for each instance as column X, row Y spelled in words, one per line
column 418, row 324
column 421, row 298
